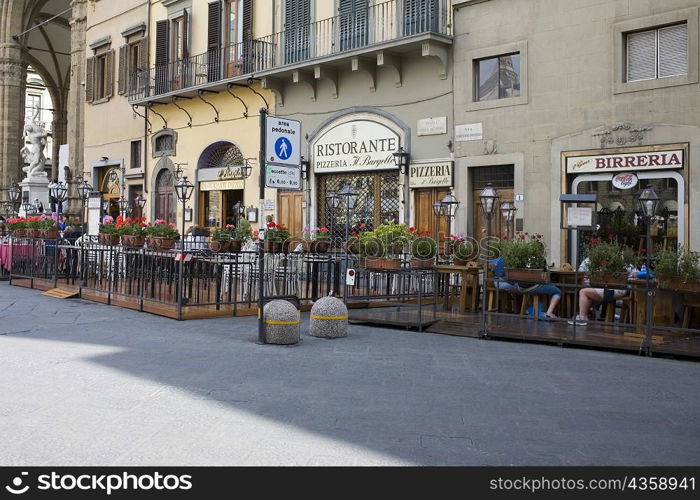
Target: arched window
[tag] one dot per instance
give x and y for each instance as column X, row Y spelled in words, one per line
column 165, row 196
column 226, row 155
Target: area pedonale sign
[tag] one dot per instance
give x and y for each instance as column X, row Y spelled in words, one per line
column 652, row 160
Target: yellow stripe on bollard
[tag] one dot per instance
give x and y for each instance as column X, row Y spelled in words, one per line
column 315, row 316
column 273, row 322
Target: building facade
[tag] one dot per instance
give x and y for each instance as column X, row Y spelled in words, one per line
column 561, row 97
column 365, row 78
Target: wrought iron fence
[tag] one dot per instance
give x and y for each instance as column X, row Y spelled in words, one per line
column 379, row 23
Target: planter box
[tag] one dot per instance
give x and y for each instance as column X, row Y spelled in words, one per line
column 272, row 246
column 314, row 246
column 422, row 263
column 33, row 233
column 382, row 263
column 156, row 243
column 460, row 262
column 608, row 279
column 49, row 234
column 220, row 246
column 527, row 275
column 133, row 241
column 109, row 239
column 677, row 284
column 19, row 233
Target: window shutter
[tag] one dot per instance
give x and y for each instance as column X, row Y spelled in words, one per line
column 641, row 56
column 143, row 53
column 247, row 19
column 162, row 32
column 185, row 38
column 214, row 41
column 123, row 68
column 673, row 50
column 90, row 79
column 109, row 74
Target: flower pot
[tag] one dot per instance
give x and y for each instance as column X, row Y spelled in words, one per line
column 49, row 234
column 317, row 246
column 157, row 243
column 460, row 262
column 236, row 246
column 527, row 275
column 109, row 239
column 606, row 279
column 306, row 246
column 677, row 284
column 422, row 263
column 383, row 263
column 220, row 246
column 33, row 233
column 132, row 241
column 19, row 233
column 272, row 246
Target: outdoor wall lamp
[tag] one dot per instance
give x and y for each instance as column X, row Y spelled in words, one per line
column 401, row 159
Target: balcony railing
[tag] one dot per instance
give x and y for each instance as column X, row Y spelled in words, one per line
column 384, row 22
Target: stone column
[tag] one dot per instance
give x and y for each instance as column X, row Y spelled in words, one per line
column 12, row 86
column 76, row 101
column 58, row 135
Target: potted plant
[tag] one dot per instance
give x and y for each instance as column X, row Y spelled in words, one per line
column 316, row 240
column 109, row 233
column 424, row 249
column 463, row 249
column 608, row 262
column 131, row 231
column 276, row 237
column 161, row 235
column 17, row 226
column 221, row 238
column 48, row 226
column 34, row 227
column 678, row 270
column 241, row 234
column 382, row 248
column 525, row 258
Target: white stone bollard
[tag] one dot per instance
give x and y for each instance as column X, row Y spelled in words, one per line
column 329, row 319
column 281, row 321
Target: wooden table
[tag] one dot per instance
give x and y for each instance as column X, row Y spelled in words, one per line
column 469, row 296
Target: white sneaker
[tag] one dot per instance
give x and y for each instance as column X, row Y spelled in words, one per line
column 579, row 320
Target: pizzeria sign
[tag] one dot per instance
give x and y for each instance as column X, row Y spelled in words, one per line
column 652, row 160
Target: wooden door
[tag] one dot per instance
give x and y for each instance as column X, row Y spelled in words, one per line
column 290, row 213
column 497, row 224
column 425, row 219
column 165, row 205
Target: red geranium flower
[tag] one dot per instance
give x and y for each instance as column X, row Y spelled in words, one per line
column 610, row 236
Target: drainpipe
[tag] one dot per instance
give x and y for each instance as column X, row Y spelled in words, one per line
column 145, row 115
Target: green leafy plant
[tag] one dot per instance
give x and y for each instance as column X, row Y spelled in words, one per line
column 609, row 256
column 14, row 223
column 243, row 231
column 386, row 239
column 666, row 262
column 276, row 233
column 223, row 234
column 424, row 247
column 524, row 252
column 689, row 267
column 109, row 226
column 161, row 229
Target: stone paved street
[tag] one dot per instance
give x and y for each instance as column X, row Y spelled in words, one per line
column 88, row 384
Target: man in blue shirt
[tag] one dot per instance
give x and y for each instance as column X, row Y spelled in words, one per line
column 554, row 294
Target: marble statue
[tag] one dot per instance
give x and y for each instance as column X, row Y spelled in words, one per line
column 33, row 153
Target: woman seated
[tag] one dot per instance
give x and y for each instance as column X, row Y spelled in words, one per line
column 554, row 294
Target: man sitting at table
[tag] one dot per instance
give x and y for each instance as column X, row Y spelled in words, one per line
column 554, row 294
column 592, row 297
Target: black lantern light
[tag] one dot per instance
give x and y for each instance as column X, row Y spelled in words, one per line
column 449, row 205
column 58, row 191
column 123, row 205
column 246, row 169
column 183, row 189
column 140, row 201
column 84, row 189
column 350, row 196
column 305, row 167
column 489, row 199
column 178, row 171
column 649, row 201
column 333, row 200
column 14, row 192
column 401, row 159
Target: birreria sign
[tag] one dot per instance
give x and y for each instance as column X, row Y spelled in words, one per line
column 652, row 160
column 356, row 145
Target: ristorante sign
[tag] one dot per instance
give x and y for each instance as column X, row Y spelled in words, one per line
column 652, row 160
column 355, row 145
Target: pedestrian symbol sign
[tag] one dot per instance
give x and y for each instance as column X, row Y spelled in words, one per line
column 283, row 148
column 283, row 141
